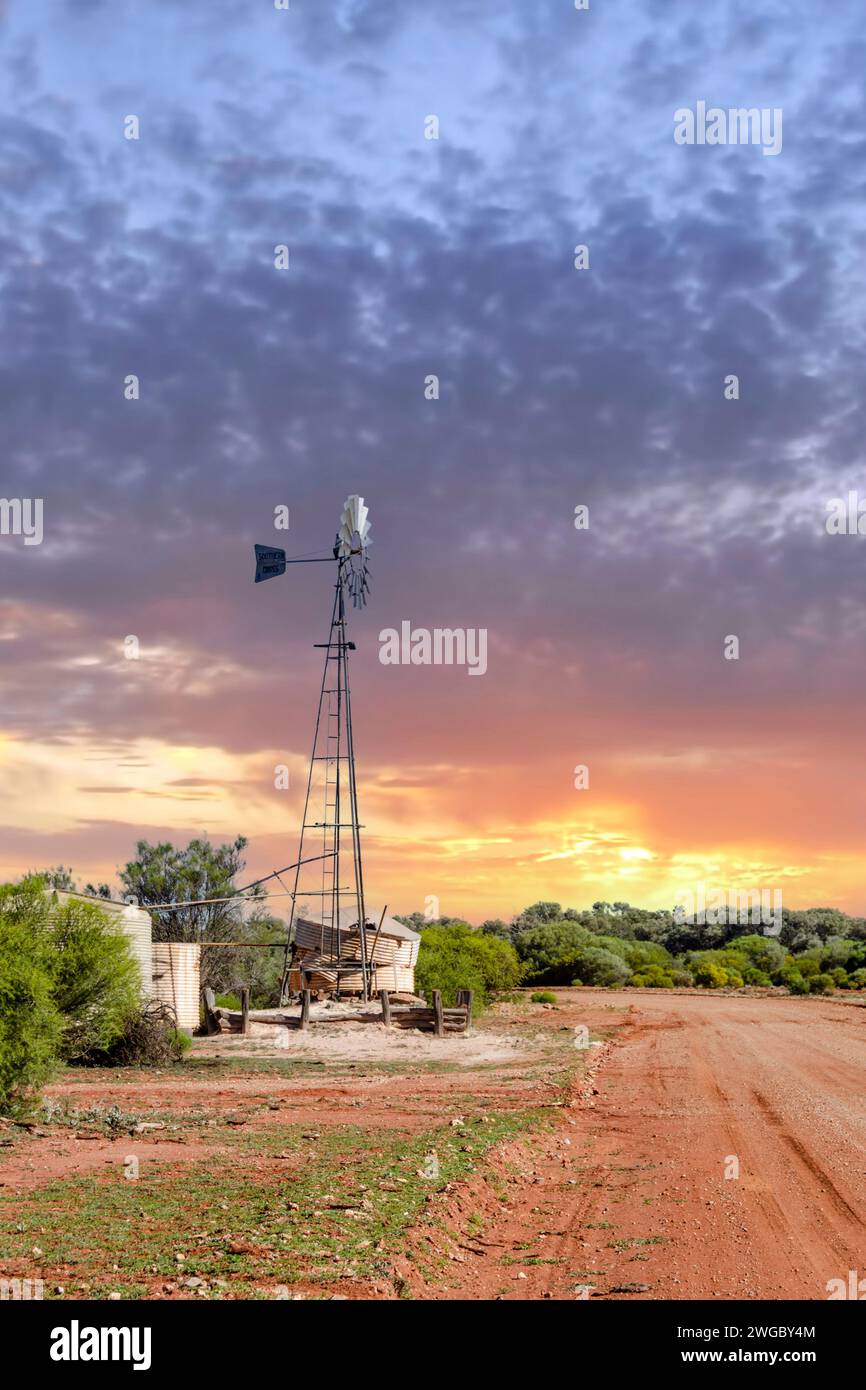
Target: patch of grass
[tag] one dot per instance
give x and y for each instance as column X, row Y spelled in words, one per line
column 629, row 1243
column 531, row 1260
column 224, row 1068
column 337, row 1207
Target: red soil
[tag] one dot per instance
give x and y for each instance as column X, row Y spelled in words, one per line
column 630, row 1192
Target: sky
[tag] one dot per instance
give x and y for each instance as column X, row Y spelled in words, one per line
column 603, row 387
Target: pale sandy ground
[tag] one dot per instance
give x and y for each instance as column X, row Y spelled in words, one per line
column 366, row 1042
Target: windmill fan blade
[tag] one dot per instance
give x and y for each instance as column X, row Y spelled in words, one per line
column 359, row 511
column 354, row 517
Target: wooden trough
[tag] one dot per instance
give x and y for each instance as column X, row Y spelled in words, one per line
column 435, row 1018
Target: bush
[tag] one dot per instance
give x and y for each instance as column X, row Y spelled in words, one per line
column 30, row 1023
column 822, row 984
column 95, row 978
column 457, row 957
column 761, row 953
column 753, row 976
column 791, row 978
column 652, row 977
column 542, row 996
column 149, row 1037
column 708, row 975
column 644, row 957
column 598, row 966
column 549, row 953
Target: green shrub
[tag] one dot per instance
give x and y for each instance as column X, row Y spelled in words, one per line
column 857, row 979
column 652, row 977
column 756, row 952
column 543, row 996
column 708, row 975
column 30, row 1023
column 791, row 978
column 822, row 984
column 456, row 957
column 642, row 956
column 95, row 978
column 601, row 967
column 753, row 976
column 227, row 1001
column 549, row 953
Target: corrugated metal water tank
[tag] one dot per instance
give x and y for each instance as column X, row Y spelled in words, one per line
column 177, row 979
column 138, row 928
column 134, row 922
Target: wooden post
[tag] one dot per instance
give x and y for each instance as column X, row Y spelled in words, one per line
column 437, row 1013
column 245, row 1009
column 386, row 1007
column 467, row 999
column 305, row 1008
column 209, row 1004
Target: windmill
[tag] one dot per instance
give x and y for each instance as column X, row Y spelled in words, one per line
column 335, row 791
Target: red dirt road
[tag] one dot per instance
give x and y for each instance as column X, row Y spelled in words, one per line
column 629, row 1198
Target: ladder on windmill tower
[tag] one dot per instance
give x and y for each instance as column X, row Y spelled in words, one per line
column 334, row 794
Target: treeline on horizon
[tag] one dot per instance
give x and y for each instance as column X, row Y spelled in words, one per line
column 811, row 951
column 814, row 951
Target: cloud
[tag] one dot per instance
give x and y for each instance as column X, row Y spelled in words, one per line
column 411, row 257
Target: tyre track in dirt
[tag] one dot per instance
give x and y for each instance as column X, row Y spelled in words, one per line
column 629, row 1197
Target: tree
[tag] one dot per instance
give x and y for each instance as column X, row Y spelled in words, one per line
column 60, row 878
column 416, row 921
column 228, row 970
column 30, row 1022
column 536, row 914
column 549, row 952
column 162, row 874
column 494, row 926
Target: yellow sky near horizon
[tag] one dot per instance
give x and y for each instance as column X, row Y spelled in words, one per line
column 466, row 838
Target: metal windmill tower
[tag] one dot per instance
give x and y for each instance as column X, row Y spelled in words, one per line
column 331, row 803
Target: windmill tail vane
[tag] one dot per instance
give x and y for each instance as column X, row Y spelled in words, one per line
column 339, row 913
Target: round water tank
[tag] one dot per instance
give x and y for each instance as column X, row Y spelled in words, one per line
column 177, row 979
